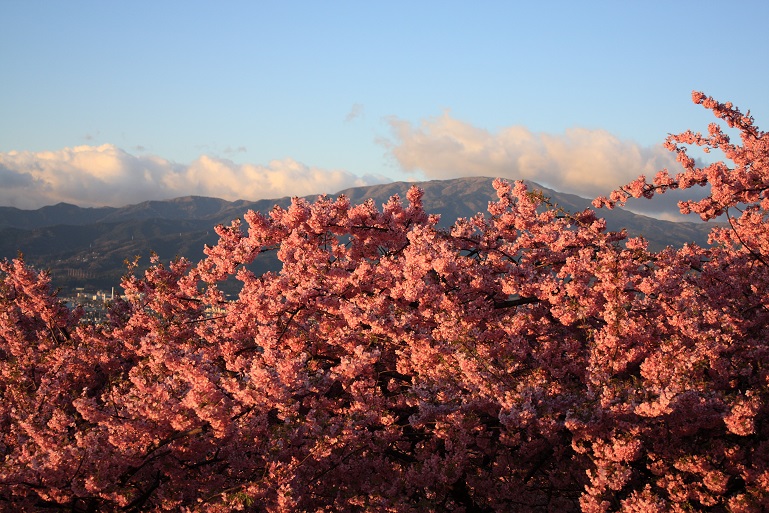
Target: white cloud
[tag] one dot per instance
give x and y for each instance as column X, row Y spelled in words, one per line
column 580, row 161
column 356, row 111
column 107, row 175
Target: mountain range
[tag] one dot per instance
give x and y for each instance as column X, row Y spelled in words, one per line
column 88, row 247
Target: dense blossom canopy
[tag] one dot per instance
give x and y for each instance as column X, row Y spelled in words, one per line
column 523, row 360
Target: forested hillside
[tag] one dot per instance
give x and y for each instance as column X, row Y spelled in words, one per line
column 89, row 246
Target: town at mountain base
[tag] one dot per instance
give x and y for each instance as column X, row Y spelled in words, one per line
column 522, row 360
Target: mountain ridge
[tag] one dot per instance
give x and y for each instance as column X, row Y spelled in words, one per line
column 95, row 242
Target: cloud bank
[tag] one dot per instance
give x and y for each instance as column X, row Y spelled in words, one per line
column 579, row 161
column 107, row 175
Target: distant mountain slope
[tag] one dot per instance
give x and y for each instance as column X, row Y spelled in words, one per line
column 61, row 213
column 464, row 197
column 88, row 246
column 186, row 208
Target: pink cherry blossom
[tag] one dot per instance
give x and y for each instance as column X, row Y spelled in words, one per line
column 521, row 360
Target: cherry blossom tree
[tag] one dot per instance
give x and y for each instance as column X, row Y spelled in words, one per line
column 523, row 360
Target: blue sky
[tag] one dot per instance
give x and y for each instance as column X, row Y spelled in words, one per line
column 111, row 103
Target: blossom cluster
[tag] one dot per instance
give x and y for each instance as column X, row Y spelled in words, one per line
column 523, row 360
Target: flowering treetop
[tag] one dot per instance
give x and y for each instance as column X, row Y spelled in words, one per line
column 523, row 360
